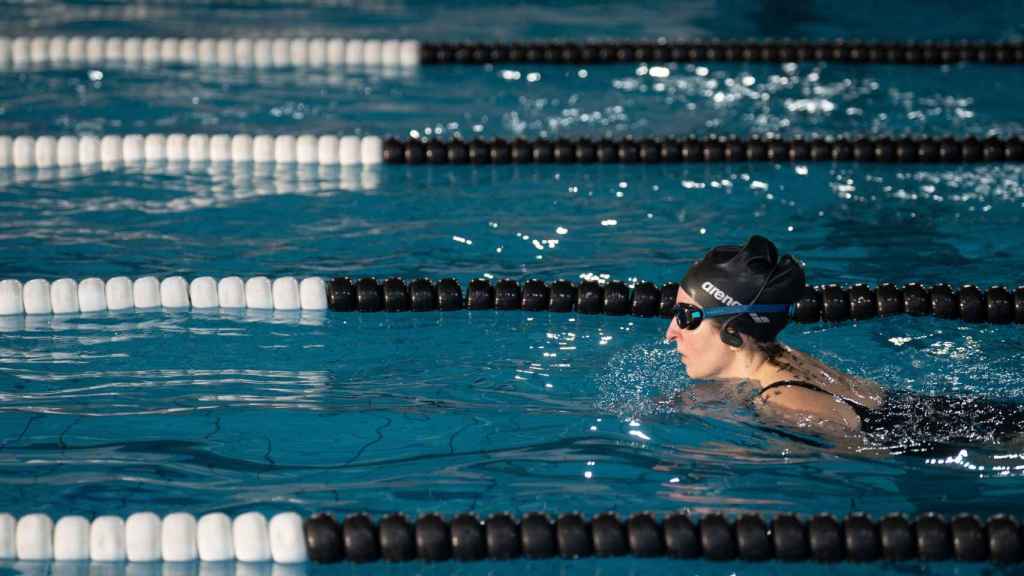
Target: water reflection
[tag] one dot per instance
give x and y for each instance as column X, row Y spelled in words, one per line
column 208, row 185
column 99, row 325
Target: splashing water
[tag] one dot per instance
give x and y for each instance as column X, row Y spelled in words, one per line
column 640, row 381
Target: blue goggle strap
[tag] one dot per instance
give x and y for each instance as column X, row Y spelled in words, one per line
column 789, row 309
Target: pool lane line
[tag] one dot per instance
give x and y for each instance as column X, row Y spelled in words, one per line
column 318, row 52
column 48, row 151
column 849, row 51
column 288, row 538
column 829, row 303
column 20, row 52
column 705, row 149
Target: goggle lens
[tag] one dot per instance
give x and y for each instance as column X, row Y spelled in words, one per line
column 687, row 316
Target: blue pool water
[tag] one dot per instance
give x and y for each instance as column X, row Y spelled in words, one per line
column 162, row 411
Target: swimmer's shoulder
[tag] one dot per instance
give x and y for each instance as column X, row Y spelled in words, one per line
column 816, row 375
column 797, row 401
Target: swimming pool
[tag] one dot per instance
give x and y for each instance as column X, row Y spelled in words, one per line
column 118, row 412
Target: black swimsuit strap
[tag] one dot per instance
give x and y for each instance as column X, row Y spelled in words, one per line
column 796, row 383
column 858, row 408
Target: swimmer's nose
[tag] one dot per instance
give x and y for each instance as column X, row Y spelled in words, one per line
column 672, row 331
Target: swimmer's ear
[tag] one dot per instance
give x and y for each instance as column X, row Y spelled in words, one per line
column 731, row 337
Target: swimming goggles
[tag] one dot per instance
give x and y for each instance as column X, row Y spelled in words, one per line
column 688, row 316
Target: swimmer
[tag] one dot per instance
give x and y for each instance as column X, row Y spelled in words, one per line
column 731, row 306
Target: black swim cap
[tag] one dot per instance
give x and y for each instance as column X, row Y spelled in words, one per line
column 733, row 275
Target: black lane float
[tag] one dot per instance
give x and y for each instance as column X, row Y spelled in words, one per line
column 830, row 303
column 704, row 149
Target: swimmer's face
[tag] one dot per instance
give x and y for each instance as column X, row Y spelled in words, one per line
column 702, row 350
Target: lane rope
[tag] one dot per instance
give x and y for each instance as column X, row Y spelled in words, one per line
column 715, row 50
column 704, row 149
column 287, row 538
column 315, row 52
column 247, row 52
column 830, row 303
column 49, row 151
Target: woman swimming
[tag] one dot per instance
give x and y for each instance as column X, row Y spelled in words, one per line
column 730, row 307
